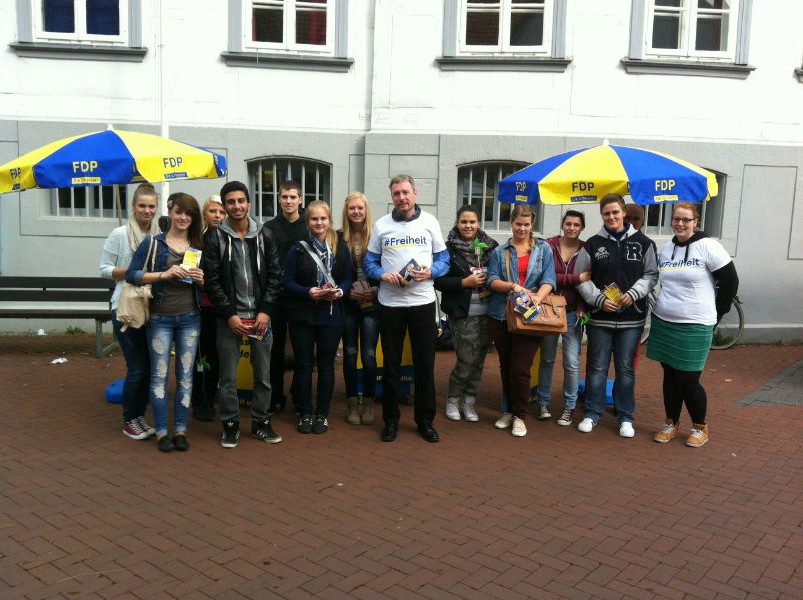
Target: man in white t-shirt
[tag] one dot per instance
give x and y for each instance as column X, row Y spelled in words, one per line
column 406, row 252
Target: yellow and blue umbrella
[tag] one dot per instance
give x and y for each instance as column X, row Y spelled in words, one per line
column 107, row 158
column 586, row 175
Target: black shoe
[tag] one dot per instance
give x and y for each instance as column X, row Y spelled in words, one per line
column 262, row 430
column 231, row 433
column 165, row 444
column 305, row 424
column 180, row 443
column 389, row 431
column 428, row 432
column 321, row 424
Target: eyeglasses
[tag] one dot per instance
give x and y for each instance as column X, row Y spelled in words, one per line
column 683, row 220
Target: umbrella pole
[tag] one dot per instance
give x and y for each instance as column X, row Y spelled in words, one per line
column 117, row 204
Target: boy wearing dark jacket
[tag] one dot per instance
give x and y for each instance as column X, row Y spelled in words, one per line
column 623, row 263
column 287, row 228
column 243, row 278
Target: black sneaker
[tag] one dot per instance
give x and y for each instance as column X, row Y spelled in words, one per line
column 305, row 424
column 262, row 430
column 231, row 433
column 321, row 425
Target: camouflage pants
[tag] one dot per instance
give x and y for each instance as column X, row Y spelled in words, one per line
column 471, row 343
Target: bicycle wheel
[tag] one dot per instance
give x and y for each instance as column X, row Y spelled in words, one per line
column 730, row 328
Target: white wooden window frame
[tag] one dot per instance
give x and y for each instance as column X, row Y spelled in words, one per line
column 505, row 8
column 688, row 14
column 80, row 35
column 290, row 9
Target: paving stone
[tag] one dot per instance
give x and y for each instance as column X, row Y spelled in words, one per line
column 86, row 512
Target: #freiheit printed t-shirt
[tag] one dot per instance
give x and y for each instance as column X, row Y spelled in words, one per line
column 687, row 286
column 400, row 241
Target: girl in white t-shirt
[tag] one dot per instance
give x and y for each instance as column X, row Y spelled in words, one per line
column 698, row 283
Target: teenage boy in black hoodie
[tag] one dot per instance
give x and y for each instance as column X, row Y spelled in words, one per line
column 287, row 228
column 243, row 278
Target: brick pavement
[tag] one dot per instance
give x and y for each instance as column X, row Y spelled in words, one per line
column 87, row 513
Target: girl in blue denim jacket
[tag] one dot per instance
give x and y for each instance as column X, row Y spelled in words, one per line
column 523, row 263
column 174, row 313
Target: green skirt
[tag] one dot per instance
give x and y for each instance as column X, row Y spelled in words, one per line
column 683, row 346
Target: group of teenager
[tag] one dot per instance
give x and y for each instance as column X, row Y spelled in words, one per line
column 378, row 280
column 609, row 284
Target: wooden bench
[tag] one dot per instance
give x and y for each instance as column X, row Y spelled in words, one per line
column 59, row 298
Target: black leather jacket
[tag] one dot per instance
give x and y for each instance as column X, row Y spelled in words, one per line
column 223, row 269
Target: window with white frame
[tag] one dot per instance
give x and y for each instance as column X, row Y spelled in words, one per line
column 89, row 202
column 658, row 217
column 692, row 29
column 505, row 26
column 81, row 21
column 267, row 174
column 478, row 184
column 300, row 26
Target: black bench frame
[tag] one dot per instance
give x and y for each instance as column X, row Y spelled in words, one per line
column 53, row 294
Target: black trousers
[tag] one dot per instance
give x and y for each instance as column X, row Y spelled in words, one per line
column 394, row 322
column 279, row 324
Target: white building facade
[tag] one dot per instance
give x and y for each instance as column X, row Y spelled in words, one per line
column 344, row 94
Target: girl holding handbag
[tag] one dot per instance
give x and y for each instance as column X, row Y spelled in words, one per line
column 522, row 264
column 118, row 250
column 174, row 313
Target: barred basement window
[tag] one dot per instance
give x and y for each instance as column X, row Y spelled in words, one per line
column 267, row 174
column 477, row 184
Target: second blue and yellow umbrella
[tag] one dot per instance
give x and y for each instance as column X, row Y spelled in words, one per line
column 586, row 175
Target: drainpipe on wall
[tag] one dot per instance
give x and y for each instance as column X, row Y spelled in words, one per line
column 164, row 124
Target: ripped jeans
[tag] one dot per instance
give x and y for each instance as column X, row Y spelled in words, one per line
column 162, row 331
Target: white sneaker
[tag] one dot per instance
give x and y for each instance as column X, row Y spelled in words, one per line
column 544, row 414
column 505, row 421
column 453, row 409
column 586, row 425
column 469, row 412
column 519, row 429
column 626, row 429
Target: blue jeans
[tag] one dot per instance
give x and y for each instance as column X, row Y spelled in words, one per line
column 604, row 342
column 320, row 341
column 134, row 346
column 360, row 333
column 571, row 363
column 163, row 330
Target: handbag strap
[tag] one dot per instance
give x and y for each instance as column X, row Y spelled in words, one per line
column 507, row 265
column 326, row 273
column 151, row 255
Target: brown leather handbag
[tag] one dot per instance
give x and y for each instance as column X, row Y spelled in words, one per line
column 551, row 318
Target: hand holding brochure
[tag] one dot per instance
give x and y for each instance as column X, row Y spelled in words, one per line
column 192, row 260
column 407, row 271
column 613, row 293
column 522, row 304
column 362, row 286
column 259, row 337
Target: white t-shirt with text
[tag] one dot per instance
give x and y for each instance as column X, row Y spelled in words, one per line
column 687, row 292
